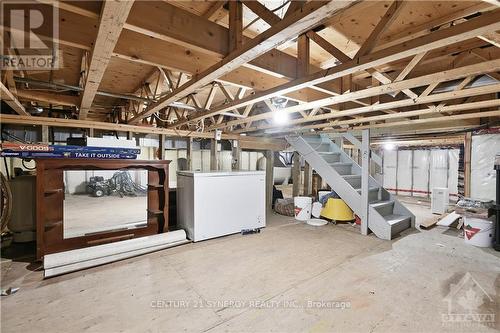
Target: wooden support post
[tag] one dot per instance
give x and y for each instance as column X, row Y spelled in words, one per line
column 316, row 184
column 214, row 156
column 307, row 179
column 365, row 177
column 161, row 147
column 236, row 162
column 189, row 153
column 235, row 25
column 91, row 132
column 130, row 135
column 296, row 174
column 45, row 134
column 467, row 161
column 303, row 55
column 269, row 180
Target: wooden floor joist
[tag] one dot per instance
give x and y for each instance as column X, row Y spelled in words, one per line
column 311, row 14
column 113, row 16
column 465, row 71
column 470, row 29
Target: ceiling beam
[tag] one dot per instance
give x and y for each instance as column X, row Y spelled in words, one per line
column 415, row 113
column 328, row 47
column 428, row 26
column 245, row 141
column 11, row 101
column 385, row 21
column 342, row 57
column 47, row 97
column 268, row 16
column 235, row 25
column 470, row 29
column 408, row 68
column 475, row 115
column 312, row 14
column 493, row 38
column 214, row 8
column 437, row 39
column 377, row 90
column 113, row 16
column 171, row 24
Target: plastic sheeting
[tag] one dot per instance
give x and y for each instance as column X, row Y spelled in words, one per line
column 404, row 172
column 417, row 172
column 483, row 177
column 438, row 169
column 390, row 164
column 421, row 160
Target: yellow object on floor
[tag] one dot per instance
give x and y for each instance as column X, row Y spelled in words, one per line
column 336, row 209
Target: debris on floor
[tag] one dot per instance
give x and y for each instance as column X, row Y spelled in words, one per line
column 449, row 219
column 429, row 223
column 474, row 208
column 9, row 291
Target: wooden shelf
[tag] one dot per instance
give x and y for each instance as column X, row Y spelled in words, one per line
column 155, row 212
column 53, row 191
column 51, row 225
column 155, row 186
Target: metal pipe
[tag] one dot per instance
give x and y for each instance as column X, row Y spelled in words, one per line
column 75, row 88
column 101, row 93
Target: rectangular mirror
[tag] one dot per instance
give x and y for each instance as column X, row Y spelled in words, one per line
column 97, row 201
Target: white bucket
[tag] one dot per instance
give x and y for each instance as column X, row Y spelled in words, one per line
column 316, row 209
column 478, row 232
column 321, row 194
column 302, row 208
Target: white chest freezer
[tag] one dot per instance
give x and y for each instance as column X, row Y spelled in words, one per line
column 217, row 203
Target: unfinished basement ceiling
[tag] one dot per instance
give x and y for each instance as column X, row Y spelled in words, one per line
column 165, row 44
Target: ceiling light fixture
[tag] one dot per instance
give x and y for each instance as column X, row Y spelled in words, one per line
column 389, row 146
column 280, row 116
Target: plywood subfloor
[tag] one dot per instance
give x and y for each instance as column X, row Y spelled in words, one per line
column 217, row 285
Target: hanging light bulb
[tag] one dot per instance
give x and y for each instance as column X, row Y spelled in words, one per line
column 280, row 116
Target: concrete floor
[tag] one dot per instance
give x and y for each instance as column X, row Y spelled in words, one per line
column 285, row 279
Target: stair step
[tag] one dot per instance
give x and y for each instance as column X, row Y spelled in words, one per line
column 328, row 153
column 384, row 208
column 372, row 194
column 330, row 156
column 313, row 139
column 379, row 204
column 321, row 147
column 341, row 164
column 342, row 168
column 353, row 180
column 398, row 223
column 395, row 219
column 371, row 189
